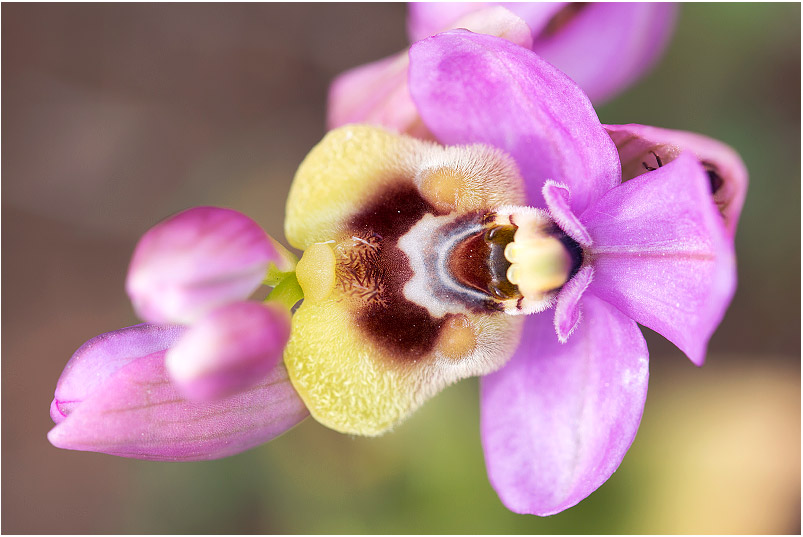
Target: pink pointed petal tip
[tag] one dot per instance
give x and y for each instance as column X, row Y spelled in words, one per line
column 640, row 146
column 604, row 47
column 558, row 201
column 197, row 260
column 377, row 93
column 557, row 420
column 229, row 350
column 662, row 254
column 567, row 308
column 473, row 88
column 429, row 18
column 100, row 358
column 131, row 409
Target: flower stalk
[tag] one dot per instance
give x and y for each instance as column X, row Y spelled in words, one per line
column 286, row 291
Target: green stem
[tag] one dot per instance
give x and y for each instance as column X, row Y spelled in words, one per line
column 287, row 292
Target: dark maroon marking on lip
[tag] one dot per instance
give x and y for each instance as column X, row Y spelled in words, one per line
column 404, row 330
column 479, row 262
column 468, row 262
column 392, row 213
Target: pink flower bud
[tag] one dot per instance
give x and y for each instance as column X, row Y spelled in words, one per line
column 230, row 349
column 196, row 261
column 115, row 397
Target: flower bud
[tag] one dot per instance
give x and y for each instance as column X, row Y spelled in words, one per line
column 198, row 260
column 115, row 397
column 230, row 349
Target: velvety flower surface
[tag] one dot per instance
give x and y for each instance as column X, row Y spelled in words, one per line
column 362, row 354
column 603, row 47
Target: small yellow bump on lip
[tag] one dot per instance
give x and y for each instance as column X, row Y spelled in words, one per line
column 442, row 187
column 316, row 271
column 458, row 338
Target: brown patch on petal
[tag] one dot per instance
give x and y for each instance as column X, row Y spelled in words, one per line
column 468, row 262
column 479, row 262
column 404, row 330
column 392, row 212
column 372, row 269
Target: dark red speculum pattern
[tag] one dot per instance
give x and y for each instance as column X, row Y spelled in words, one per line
column 403, row 329
column 479, row 262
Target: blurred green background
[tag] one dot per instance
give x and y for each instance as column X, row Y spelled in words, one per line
column 116, row 116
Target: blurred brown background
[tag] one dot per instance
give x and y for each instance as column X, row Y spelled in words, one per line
column 115, row 116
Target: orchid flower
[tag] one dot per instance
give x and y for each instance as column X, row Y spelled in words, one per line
column 604, row 47
column 522, row 257
column 525, row 250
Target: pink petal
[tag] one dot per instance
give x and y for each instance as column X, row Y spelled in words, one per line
column 230, row 349
column 195, row 261
column 662, row 255
column 727, row 176
column 557, row 420
column 134, row 411
column 377, row 93
column 473, row 88
column 605, row 47
column 567, row 307
column 558, row 199
column 101, row 357
column 426, row 19
column 545, row 17
column 429, row 18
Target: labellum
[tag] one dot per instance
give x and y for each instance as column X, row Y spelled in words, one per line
column 418, row 263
